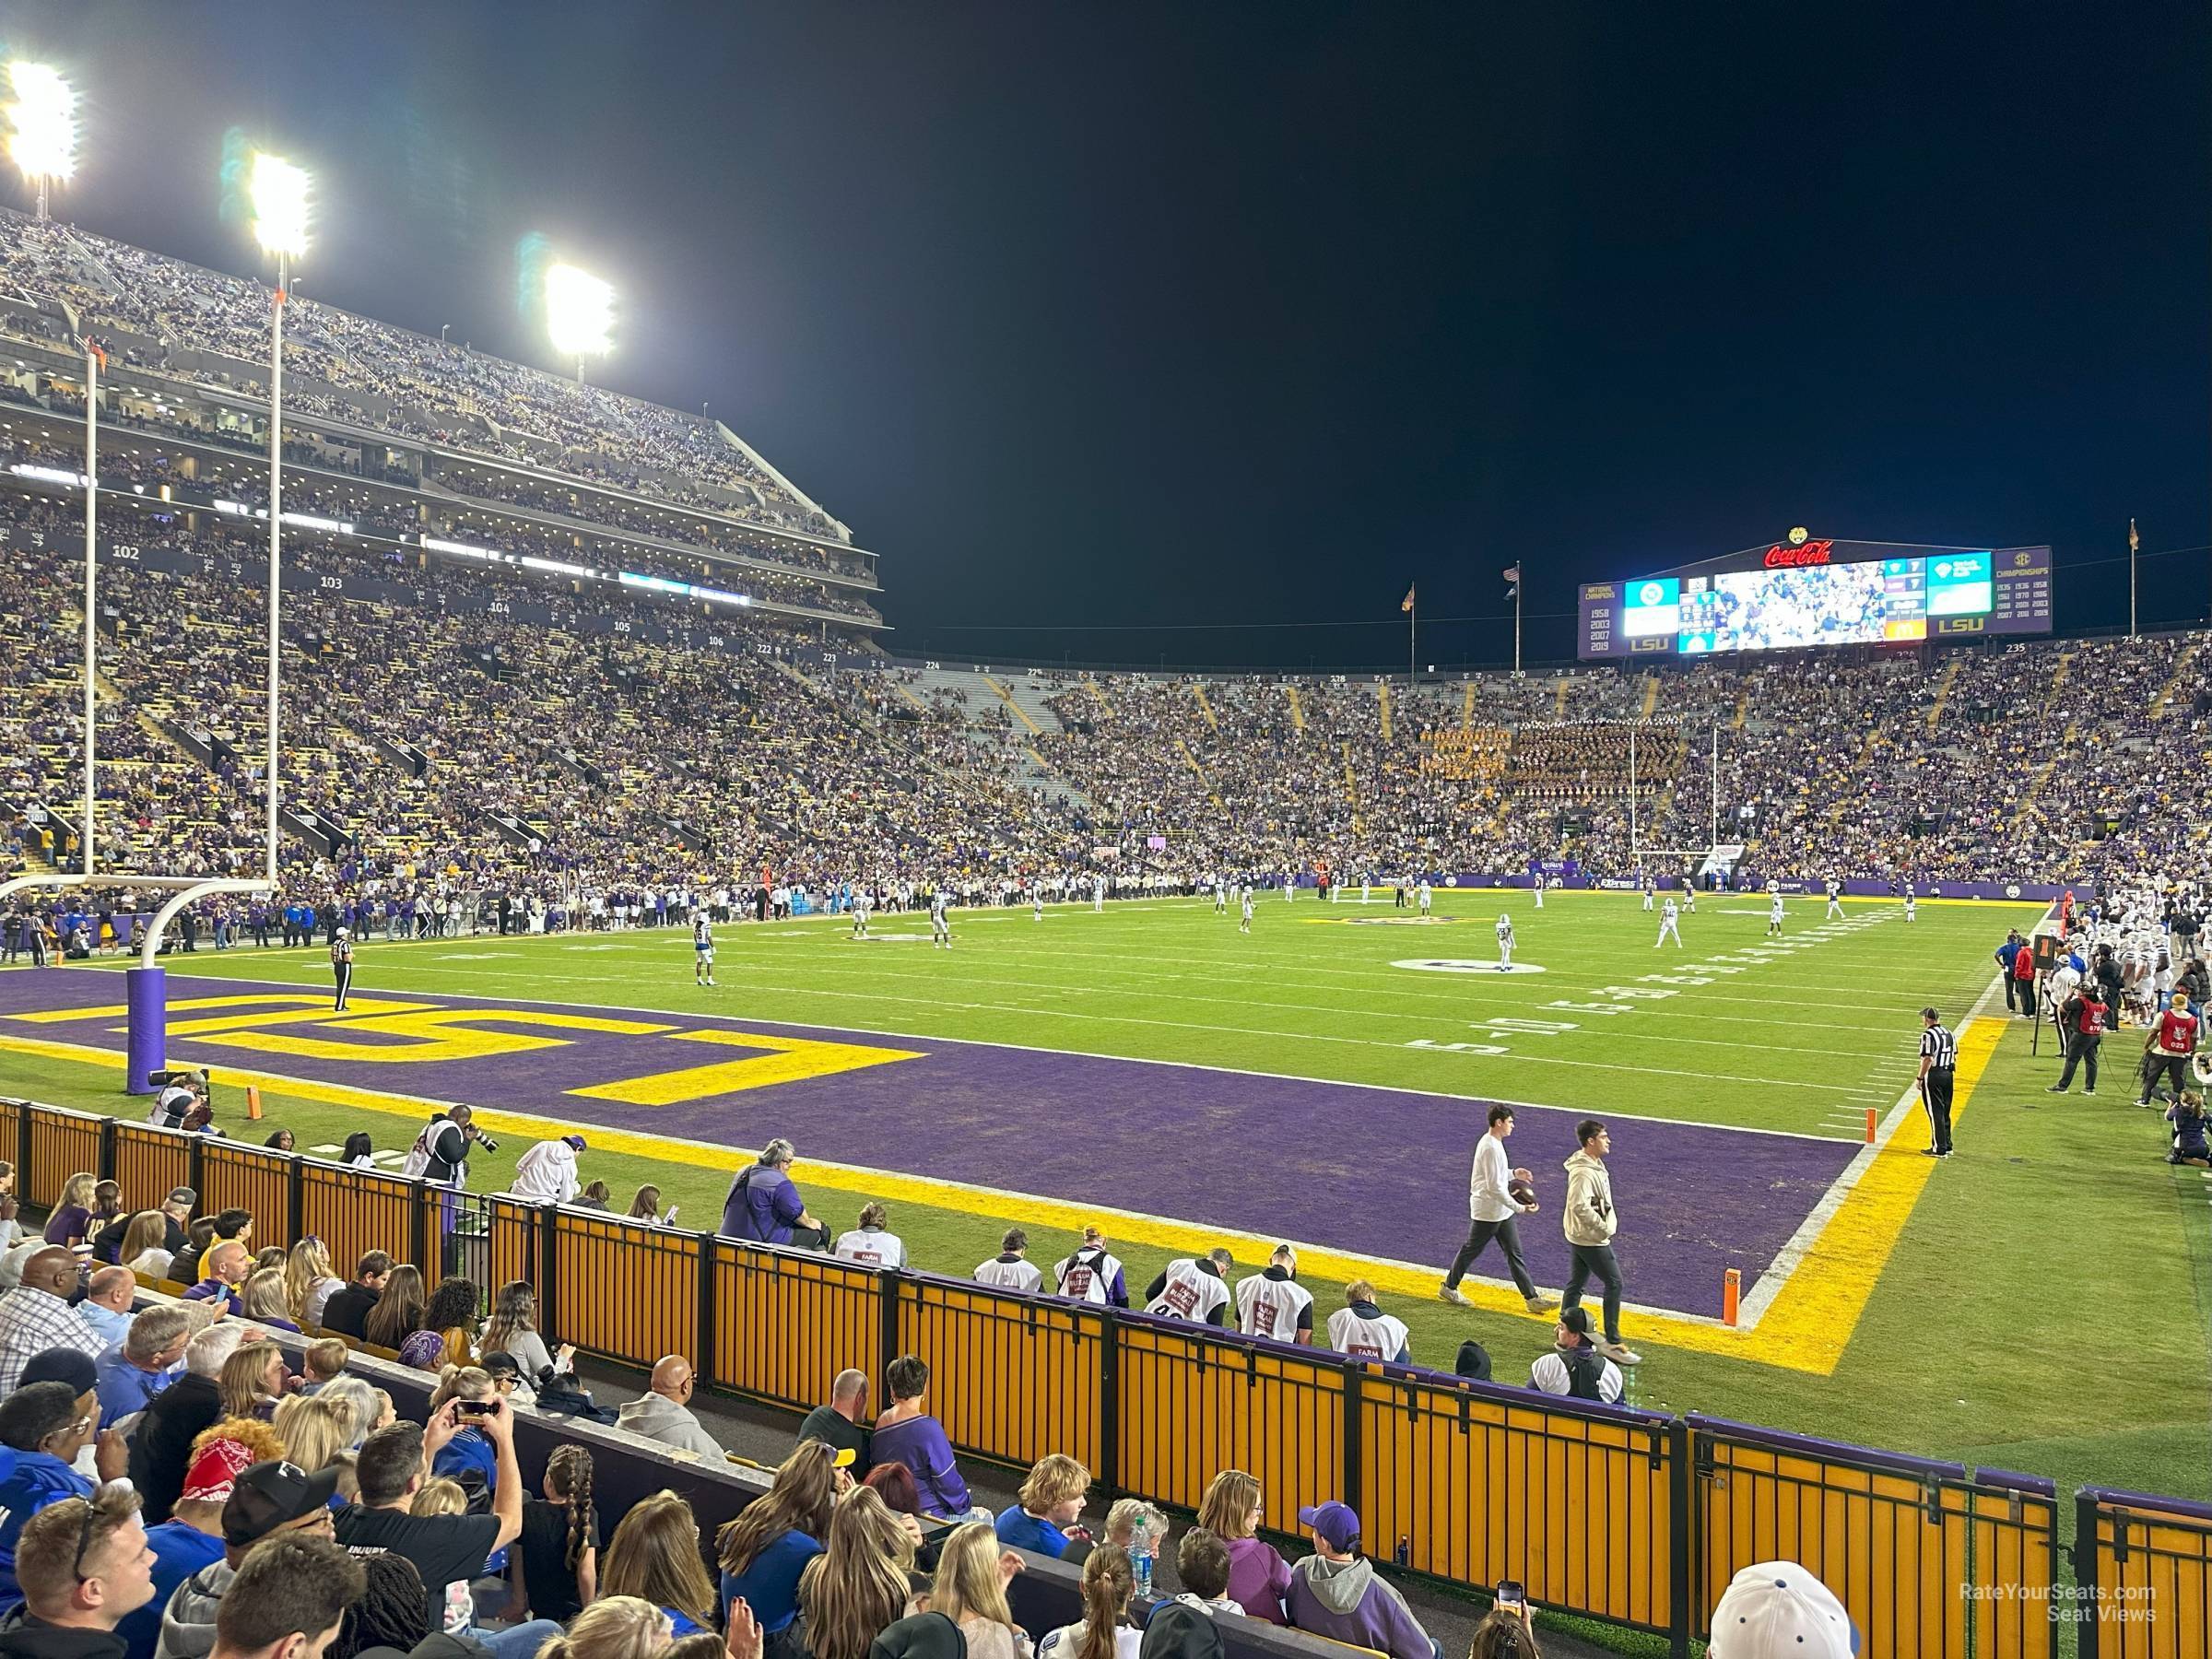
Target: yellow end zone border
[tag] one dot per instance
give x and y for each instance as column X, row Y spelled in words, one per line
column 1806, row 1326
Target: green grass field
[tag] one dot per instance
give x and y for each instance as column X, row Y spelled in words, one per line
column 2044, row 1305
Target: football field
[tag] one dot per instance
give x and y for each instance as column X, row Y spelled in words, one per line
column 1321, row 1080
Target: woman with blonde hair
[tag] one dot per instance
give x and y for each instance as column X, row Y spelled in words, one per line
column 368, row 1407
column 1258, row 1576
column 262, row 1300
column 309, row 1281
column 252, row 1380
column 1105, row 1632
column 614, row 1627
column 654, row 1556
column 766, row 1548
column 316, row 1430
column 72, row 1211
column 144, row 1237
column 398, row 1311
column 970, row 1590
column 859, row 1583
column 440, row 1497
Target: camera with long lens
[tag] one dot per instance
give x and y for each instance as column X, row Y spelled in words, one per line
column 188, row 1074
column 482, row 1139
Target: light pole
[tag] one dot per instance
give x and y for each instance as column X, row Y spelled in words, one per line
column 580, row 315
column 279, row 198
column 41, row 122
column 95, row 359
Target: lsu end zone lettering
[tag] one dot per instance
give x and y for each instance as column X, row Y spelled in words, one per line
column 457, row 1040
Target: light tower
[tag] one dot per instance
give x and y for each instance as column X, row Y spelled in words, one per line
column 580, row 314
column 42, row 125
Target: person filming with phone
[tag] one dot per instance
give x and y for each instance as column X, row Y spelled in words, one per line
column 449, row 1551
column 1506, row 1634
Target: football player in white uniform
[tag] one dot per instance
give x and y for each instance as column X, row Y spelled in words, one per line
column 940, row 924
column 1668, row 929
column 702, row 950
column 1774, row 914
column 1505, row 943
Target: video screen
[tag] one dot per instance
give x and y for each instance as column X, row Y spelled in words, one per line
column 1822, row 595
column 1653, row 608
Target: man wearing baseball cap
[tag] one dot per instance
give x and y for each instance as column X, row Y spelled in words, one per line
column 265, row 1499
column 546, row 1173
column 1776, row 1608
column 1336, row 1593
column 1575, row 1366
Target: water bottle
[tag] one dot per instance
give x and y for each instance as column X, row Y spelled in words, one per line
column 1140, row 1565
column 1404, row 1552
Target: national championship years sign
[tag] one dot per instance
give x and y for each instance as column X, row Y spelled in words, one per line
column 1809, row 592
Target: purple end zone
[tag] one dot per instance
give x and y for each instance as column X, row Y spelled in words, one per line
column 1375, row 1171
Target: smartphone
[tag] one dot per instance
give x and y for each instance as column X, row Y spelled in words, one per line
column 478, row 1407
column 1512, row 1594
column 670, row 1218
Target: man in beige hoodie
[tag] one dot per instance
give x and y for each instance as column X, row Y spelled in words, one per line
column 1589, row 1221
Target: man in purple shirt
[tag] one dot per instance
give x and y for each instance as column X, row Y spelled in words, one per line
column 1336, row 1593
column 908, row 1434
column 764, row 1208
column 225, row 1268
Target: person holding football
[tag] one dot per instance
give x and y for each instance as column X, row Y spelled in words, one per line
column 1496, row 1195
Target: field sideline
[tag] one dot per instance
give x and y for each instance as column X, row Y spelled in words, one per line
column 1951, row 1322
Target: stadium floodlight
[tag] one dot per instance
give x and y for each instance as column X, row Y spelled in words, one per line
column 42, row 123
column 278, row 192
column 580, row 314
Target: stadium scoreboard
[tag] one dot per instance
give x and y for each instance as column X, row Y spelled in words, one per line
column 1800, row 593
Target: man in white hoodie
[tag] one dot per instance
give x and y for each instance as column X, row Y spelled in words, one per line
column 1589, row 1220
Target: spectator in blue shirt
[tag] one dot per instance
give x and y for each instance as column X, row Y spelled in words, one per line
column 1051, row 1497
column 654, row 1557
column 130, row 1374
column 469, row 1459
column 107, row 1304
column 2006, row 953
column 764, row 1208
column 42, row 1428
column 764, row 1550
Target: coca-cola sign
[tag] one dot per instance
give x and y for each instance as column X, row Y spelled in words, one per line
column 1779, row 557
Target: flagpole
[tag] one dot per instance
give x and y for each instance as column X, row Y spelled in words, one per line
column 1517, row 587
column 1413, row 616
column 2134, row 541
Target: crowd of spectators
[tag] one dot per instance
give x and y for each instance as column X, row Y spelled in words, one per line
column 164, row 1461
column 214, row 328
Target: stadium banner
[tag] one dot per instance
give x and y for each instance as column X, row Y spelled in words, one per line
column 1808, row 593
column 1750, row 883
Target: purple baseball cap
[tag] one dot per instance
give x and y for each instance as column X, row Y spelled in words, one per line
column 1338, row 1524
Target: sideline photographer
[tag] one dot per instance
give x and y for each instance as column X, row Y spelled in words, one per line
column 185, row 1100
column 440, row 1152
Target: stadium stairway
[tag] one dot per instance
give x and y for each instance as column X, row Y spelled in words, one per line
column 1024, row 698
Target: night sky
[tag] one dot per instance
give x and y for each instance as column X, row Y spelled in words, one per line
column 1094, row 319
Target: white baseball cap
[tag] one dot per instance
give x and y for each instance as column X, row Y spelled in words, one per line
column 1776, row 1608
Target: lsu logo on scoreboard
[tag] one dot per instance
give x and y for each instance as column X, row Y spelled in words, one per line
column 1960, row 624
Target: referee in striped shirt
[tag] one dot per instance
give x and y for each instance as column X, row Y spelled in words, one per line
column 1938, row 1067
